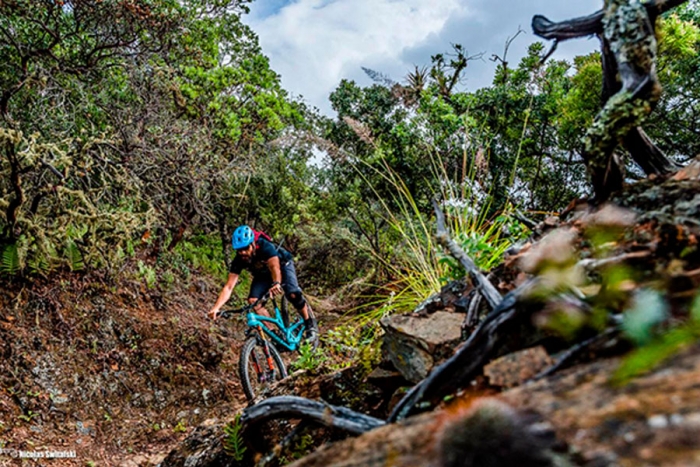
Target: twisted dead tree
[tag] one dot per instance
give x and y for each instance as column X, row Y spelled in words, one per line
column 312, row 413
column 282, row 407
column 631, row 87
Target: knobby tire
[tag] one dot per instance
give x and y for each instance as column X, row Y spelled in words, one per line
column 245, row 361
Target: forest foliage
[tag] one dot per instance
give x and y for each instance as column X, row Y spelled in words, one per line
column 151, row 128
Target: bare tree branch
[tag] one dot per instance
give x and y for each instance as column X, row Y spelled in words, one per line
column 463, row 366
column 591, row 24
column 574, row 351
column 486, row 288
column 504, row 60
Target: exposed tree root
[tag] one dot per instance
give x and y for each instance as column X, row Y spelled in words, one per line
column 319, row 412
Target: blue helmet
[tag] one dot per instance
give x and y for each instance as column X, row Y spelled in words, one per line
column 242, row 237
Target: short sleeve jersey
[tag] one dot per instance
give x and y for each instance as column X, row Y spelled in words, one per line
column 258, row 263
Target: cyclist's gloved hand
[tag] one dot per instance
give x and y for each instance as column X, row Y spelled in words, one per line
column 276, row 289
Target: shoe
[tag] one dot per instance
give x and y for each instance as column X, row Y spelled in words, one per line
column 311, row 332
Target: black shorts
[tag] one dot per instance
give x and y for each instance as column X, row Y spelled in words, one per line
column 262, row 283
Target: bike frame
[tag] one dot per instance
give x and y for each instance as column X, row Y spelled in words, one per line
column 292, row 335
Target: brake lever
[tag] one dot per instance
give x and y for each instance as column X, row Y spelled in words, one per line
column 229, row 313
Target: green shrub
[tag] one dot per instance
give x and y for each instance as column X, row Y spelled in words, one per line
column 309, row 359
column 351, row 344
column 198, row 251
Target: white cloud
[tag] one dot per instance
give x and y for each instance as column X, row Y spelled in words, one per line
column 313, row 44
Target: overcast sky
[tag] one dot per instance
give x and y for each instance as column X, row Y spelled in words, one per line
column 313, row 44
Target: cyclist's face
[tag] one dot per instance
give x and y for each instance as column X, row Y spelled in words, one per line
column 246, row 253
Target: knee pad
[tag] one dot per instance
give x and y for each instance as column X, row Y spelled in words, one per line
column 297, row 300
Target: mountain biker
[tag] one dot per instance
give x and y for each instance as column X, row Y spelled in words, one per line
column 273, row 270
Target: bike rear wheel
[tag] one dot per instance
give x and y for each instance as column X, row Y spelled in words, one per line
column 255, row 369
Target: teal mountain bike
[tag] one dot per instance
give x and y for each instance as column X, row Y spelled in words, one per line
column 260, row 363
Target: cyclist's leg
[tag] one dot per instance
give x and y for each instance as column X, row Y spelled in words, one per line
column 295, row 296
column 292, row 291
column 258, row 288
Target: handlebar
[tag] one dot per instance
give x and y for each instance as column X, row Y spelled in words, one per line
column 244, row 309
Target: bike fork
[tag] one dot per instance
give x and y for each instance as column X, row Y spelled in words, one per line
column 263, row 375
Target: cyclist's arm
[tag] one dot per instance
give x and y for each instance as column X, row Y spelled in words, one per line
column 276, row 272
column 224, row 295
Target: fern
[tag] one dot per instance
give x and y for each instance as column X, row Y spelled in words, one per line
column 75, row 258
column 38, row 264
column 234, row 445
column 11, row 264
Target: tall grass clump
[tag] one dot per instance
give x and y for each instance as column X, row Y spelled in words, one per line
column 418, row 268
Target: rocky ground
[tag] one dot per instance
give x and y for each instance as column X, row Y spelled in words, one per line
column 654, row 421
column 108, row 370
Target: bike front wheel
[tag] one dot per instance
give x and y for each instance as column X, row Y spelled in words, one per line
column 256, row 370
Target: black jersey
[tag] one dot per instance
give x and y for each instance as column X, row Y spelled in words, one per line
column 264, row 250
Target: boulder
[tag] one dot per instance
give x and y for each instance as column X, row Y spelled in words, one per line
column 416, row 343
